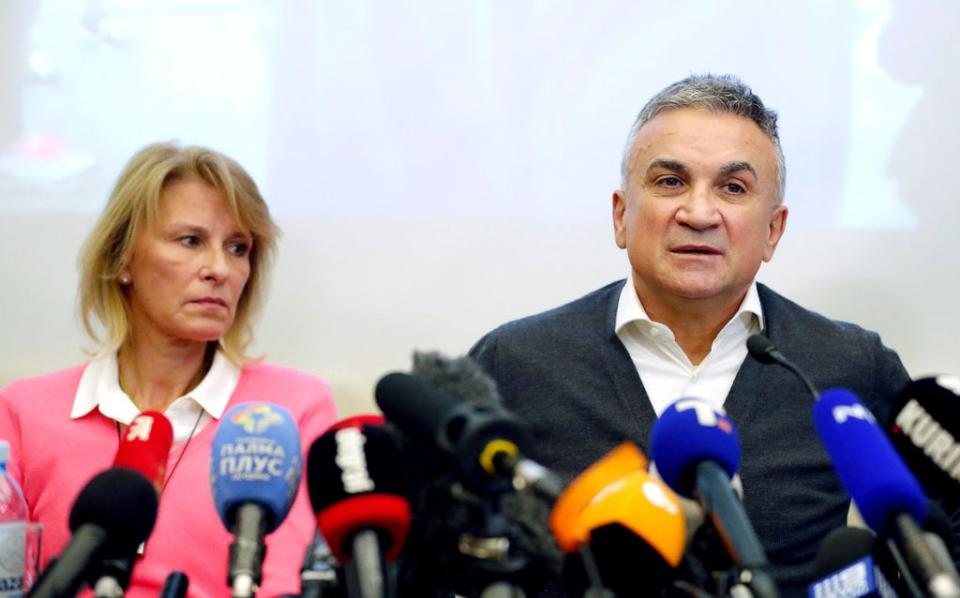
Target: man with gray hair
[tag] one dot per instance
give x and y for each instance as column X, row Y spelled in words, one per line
column 700, row 207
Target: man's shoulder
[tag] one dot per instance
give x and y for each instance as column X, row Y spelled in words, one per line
column 585, row 315
column 792, row 323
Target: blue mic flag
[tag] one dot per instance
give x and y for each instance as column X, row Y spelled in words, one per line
column 256, row 458
column 865, row 461
column 688, row 432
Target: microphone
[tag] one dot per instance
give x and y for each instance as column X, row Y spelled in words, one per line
column 255, row 473
column 355, row 479
column 113, row 514
column 887, row 495
column 485, row 440
column 318, row 574
column 763, row 350
column 144, row 447
column 175, row 585
column 847, row 568
column 622, row 460
column 696, row 451
column 632, row 528
column 925, row 429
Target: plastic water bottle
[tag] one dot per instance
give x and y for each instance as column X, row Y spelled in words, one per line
column 13, row 529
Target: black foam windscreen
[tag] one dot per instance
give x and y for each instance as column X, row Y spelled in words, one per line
column 123, row 503
column 368, row 451
column 628, row 565
column 460, row 377
column 924, row 426
column 841, row 547
column 761, row 348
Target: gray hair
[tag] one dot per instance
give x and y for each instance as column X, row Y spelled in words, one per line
column 717, row 93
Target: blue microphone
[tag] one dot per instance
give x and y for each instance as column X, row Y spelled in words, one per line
column 868, row 466
column 255, row 471
column 697, row 452
column 887, row 495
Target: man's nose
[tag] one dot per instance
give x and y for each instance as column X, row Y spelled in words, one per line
column 699, row 209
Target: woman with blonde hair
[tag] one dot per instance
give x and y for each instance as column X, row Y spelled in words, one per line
column 171, row 277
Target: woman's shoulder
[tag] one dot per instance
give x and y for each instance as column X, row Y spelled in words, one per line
column 283, row 380
column 58, row 382
column 306, row 395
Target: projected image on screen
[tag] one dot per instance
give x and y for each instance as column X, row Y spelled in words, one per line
column 493, row 111
column 439, row 168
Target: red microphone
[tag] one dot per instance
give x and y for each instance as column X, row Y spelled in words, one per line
column 145, row 446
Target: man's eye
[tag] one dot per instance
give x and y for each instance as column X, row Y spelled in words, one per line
column 669, row 181
column 734, row 188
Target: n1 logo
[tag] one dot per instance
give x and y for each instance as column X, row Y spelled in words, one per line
column 841, row 413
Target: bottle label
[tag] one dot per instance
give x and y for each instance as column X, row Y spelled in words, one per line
column 12, row 544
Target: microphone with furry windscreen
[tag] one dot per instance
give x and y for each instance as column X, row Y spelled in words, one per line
column 355, row 478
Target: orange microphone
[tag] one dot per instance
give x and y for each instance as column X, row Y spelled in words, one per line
column 622, row 528
column 622, row 460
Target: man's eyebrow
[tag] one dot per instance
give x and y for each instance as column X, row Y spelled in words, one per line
column 733, row 167
column 666, row 164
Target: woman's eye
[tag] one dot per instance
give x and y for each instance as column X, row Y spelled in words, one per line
column 239, row 249
column 189, row 240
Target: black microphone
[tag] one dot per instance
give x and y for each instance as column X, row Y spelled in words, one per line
column 175, row 585
column 924, row 426
column 113, row 514
column 763, row 350
column 486, row 441
column 851, row 563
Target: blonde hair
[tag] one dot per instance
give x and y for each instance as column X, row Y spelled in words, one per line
column 135, row 203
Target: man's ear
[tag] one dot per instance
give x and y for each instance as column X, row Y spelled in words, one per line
column 619, row 209
column 778, row 224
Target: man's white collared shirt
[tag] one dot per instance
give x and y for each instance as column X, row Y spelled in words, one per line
column 666, row 371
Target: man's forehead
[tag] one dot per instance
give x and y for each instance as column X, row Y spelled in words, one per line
column 676, row 137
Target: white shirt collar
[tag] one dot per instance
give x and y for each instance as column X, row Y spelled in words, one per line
column 629, row 308
column 100, row 387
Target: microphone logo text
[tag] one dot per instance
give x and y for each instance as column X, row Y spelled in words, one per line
column 140, row 428
column 929, row 436
column 352, row 461
column 252, row 459
column 841, row 413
